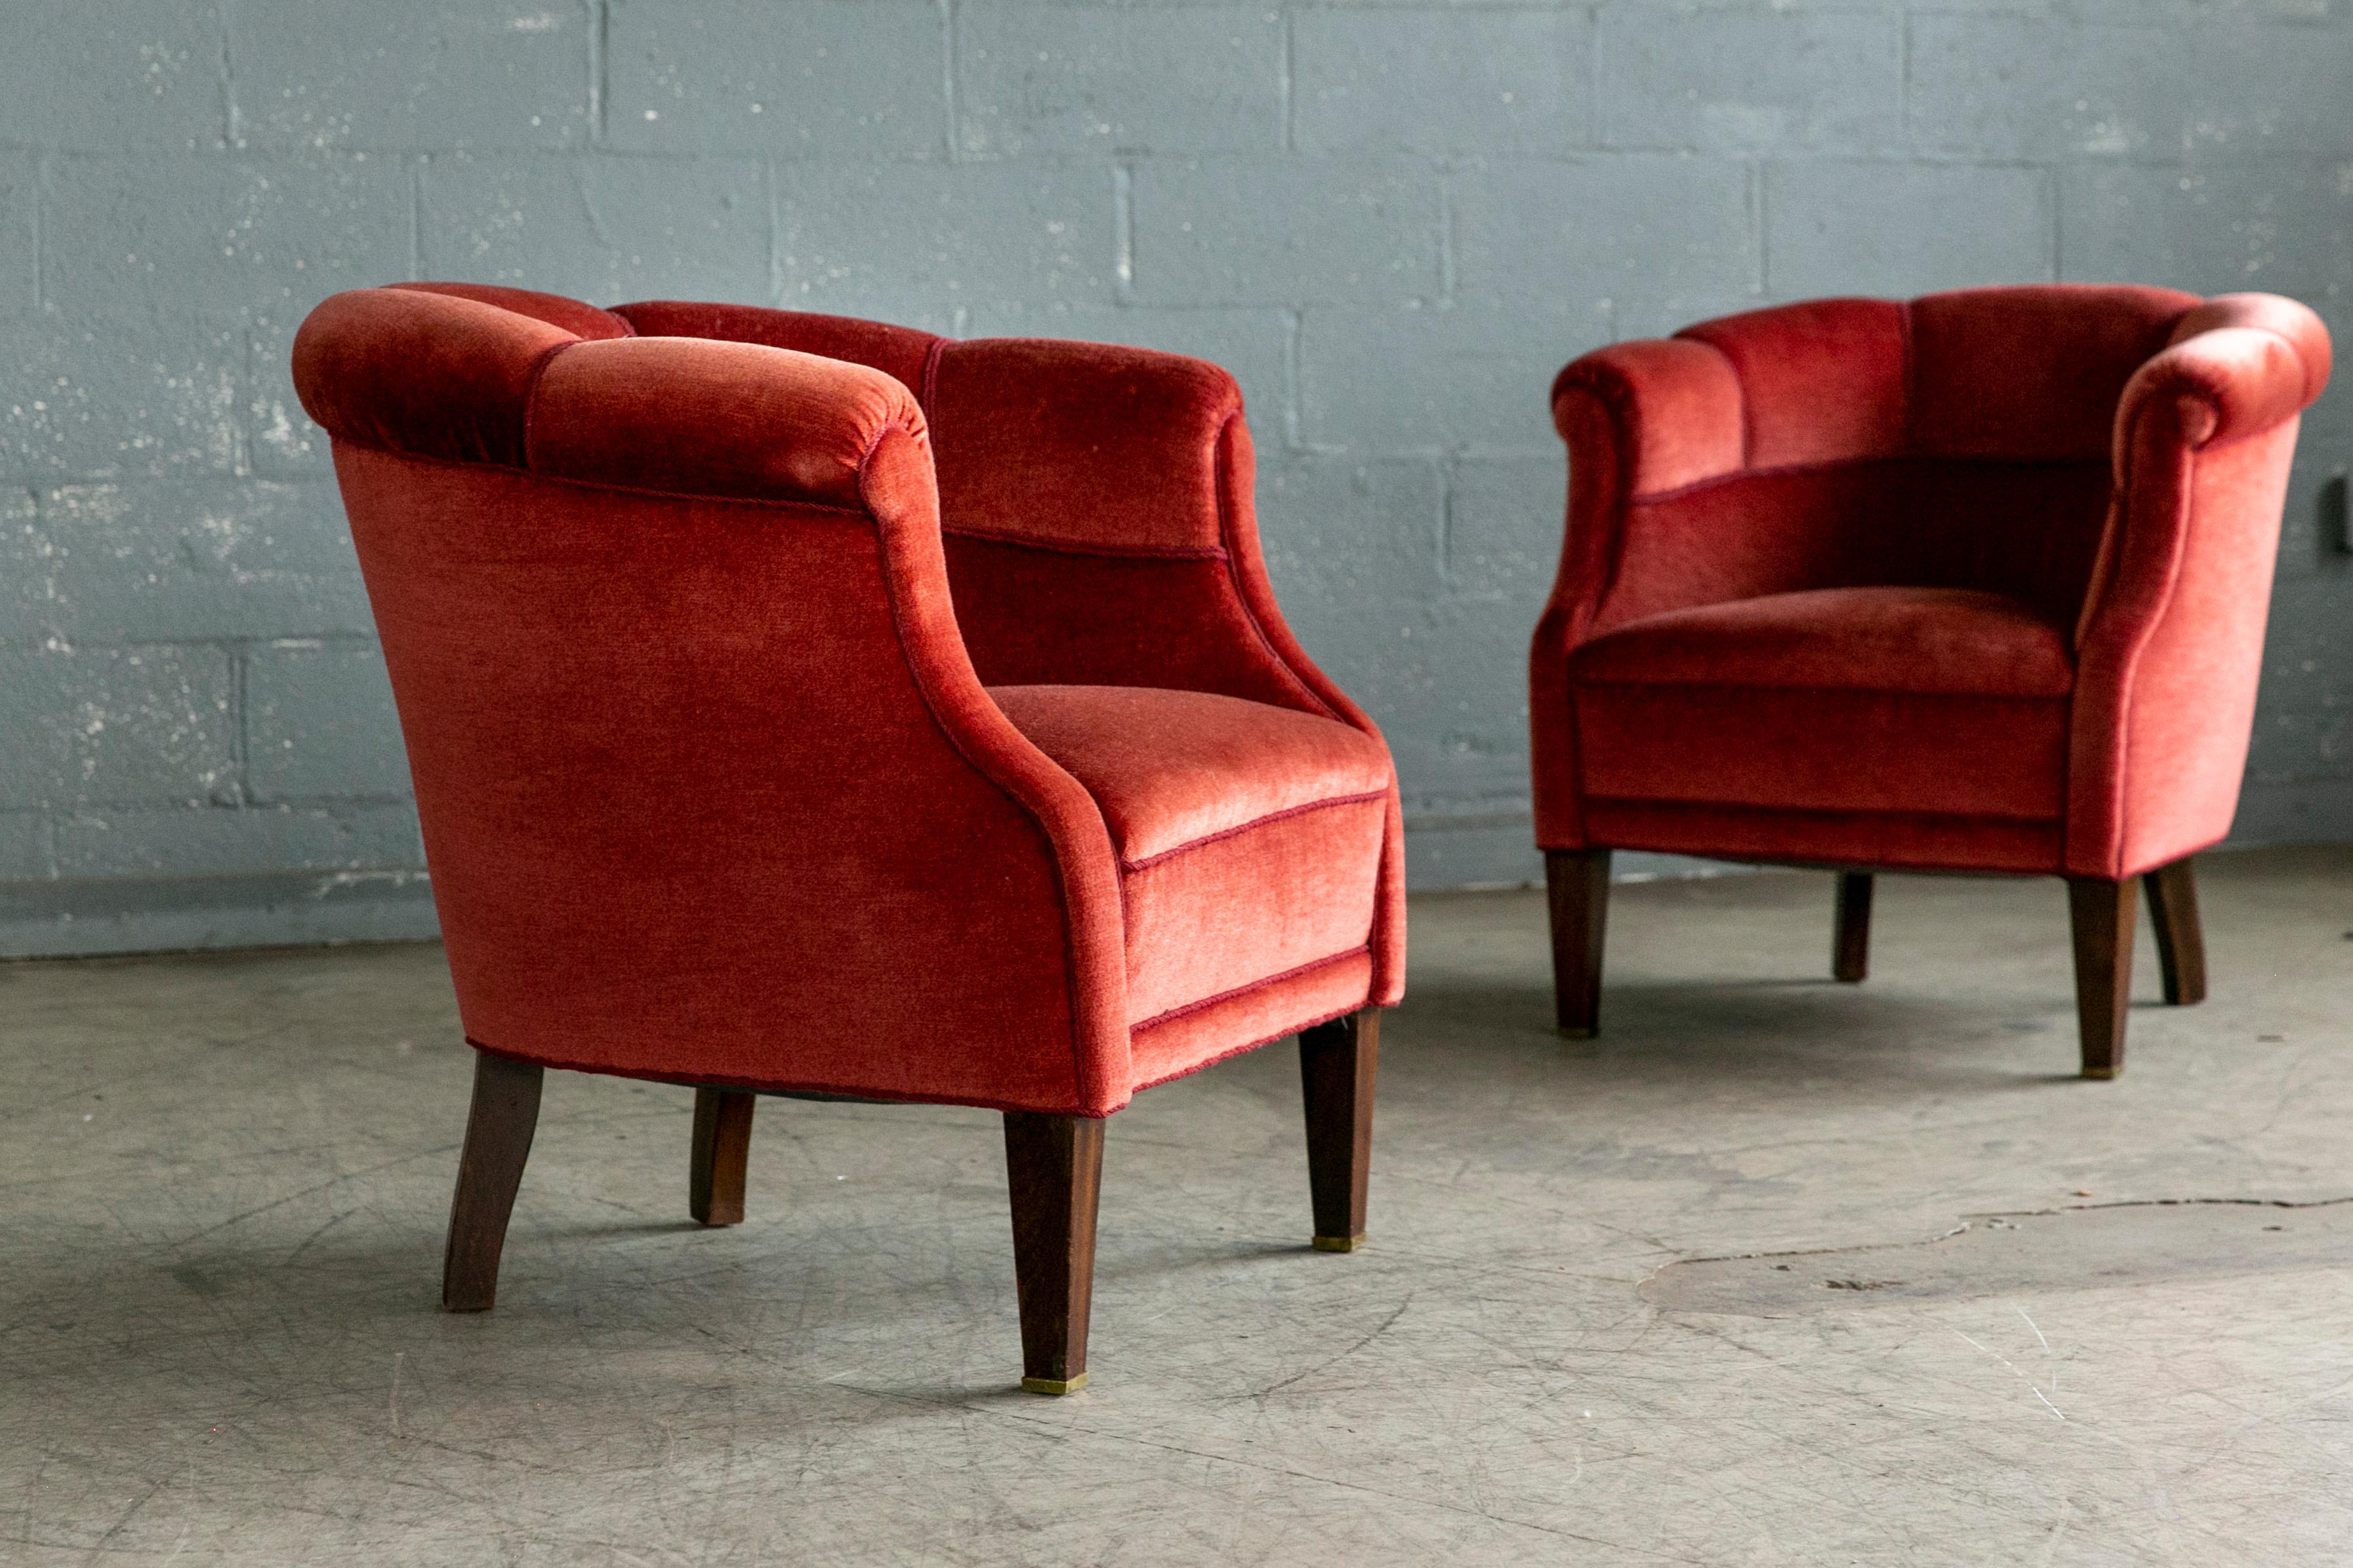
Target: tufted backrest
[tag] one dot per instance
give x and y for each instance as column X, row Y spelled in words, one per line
column 2027, row 375
column 563, row 390
column 1967, row 439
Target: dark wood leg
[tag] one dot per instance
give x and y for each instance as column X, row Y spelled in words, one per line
column 497, row 1142
column 2180, row 944
column 1851, row 948
column 722, row 1144
column 2102, row 913
column 1337, row 1063
column 1576, row 886
column 1053, row 1165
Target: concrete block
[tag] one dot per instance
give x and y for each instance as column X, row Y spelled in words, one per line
column 1456, row 713
column 1352, row 547
column 797, row 79
column 911, row 243
column 1075, row 79
column 279, row 438
column 252, row 840
column 2016, row 86
column 102, row 396
column 2297, row 742
column 600, row 229
column 1620, row 233
column 2310, row 523
column 2315, row 811
column 1900, row 229
column 169, row 914
column 138, row 724
column 179, row 562
column 37, row 764
column 25, row 847
column 1442, row 81
column 96, row 724
column 2154, row 12
column 1252, row 345
column 180, row 234
column 1300, row 231
column 416, row 76
column 2304, row 716
column 1504, row 517
column 320, row 722
column 1493, row 844
column 2276, row 224
column 1451, row 379
column 20, row 246
column 2268, row 88
column 1768, row 80
column 89, row 77
column 1490, row 849
column 1663, row 318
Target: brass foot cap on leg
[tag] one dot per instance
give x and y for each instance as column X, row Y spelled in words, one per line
column 1337, row 1243
column 1053, row 1384
column 2102, row 1072
column 1572, row 1032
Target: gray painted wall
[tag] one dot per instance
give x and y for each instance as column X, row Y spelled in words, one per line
column 1393, row 223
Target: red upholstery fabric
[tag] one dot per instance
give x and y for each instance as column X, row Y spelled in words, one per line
column 2031, row 373
column 586, row 322
column 1902, row 840
column 1977, row 580
column 1818, row 383
column 735, row 419
column 1242, row 831
column 1943, row 701
column 710, row 787
column 1930, row 641
column 1089, row 447
column 1182, row 1041
column 901, row 353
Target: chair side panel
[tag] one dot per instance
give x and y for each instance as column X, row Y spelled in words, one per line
column 687, row 813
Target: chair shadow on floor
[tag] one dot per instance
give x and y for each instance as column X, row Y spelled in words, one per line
column 1771, row 1030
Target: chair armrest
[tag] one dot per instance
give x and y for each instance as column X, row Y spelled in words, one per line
column 2169, row 645
column 1098, row 508
column 1638, row 419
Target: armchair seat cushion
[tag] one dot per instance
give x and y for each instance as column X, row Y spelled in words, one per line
column 1249, row 836
column 1935, row 701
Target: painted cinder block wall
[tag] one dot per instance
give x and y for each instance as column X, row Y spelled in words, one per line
column 1393, row 223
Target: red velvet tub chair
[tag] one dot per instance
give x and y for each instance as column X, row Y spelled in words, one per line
column 1975, row 582
column 719, row 788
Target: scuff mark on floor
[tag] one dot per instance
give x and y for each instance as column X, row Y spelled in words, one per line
column 2079, row 1246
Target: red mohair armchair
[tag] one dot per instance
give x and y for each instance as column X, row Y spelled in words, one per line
column 1971, row 583
column 719, row 788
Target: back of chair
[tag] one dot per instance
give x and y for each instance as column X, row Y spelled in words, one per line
column 1096, row 500
column 1960, row 440
column 687, row 720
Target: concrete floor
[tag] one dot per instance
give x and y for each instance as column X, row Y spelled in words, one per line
column 227, row 1176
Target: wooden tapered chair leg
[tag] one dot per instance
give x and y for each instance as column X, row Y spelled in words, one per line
column 1850, row 946
column 1577, row 890
column 2101, row 913
column 1336, row 1066
column 1053, row 1166
column 2180, row 944
column 723, row 1146
column 498, row 1142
